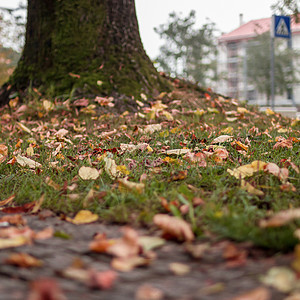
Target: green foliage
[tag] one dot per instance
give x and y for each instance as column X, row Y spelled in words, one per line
column 258, row 65
column 188, row 52
column 287, row 7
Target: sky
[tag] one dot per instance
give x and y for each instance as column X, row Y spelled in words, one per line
column 225, row 13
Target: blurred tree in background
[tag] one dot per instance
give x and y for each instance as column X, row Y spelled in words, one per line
column 188, row 52
column 258, row 65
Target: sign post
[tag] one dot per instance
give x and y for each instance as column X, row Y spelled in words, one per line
column 280, row 28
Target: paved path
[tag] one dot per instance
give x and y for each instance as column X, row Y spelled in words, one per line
column 210, row 277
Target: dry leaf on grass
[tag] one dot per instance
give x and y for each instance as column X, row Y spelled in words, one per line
column 88, row 173
column 27, row 162
column 174, row 227
column 281, row 218
column 125, row 185
column 83, row 217
column 222, row 139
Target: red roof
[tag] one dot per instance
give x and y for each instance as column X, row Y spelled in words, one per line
column 253, row 28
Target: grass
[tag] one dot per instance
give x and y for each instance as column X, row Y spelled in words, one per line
column 173, row 184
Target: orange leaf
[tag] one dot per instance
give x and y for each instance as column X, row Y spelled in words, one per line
column 174, row 227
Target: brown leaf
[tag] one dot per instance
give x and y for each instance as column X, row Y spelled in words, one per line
column 8, row 200
column 148, row 292
column 129, row 263
column 102, row 280
column 13, row 220
column 19, row 209
column 23, row 260
column 174, row 227
column 45, row 288
column 260, row 293
column 281, row 218
column 179, row 268
column 178, row 175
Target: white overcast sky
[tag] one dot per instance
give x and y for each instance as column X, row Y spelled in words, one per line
column 225, row 13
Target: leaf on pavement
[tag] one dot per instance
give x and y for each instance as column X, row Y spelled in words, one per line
column 179, row 269
column 83, row 217
column 45, row 288
column 127, row 264
column 174, row 227
column 281, row 278
column 260, row 293
column 16, row 241
column 27, row 162
column 148, row 292
column 88, row 173
column 23, row 260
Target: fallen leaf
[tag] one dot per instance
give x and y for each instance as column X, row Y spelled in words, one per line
column 24, row 128
column 127, row 246
column 281, row 218
column 111, row 168
column 247, row 170
column 23, row 260
column 124, row 184
column 179, row 268
column 61, row 133
column 198, row 158
column 88, row 173
column 148, row 292
column 281, row 278
column 27, row 162
column 222, row 139
column 177, row 151
column 3, row 150
column 152, row 128
column 174, row 227
column 102, row 280
column 250, row 188
column 45, row 288
column 16, row 220
column 239, row 146
column 8, row 200
column 178, row 175
column 13, row 242
column 83, row 217
column 260, row 293
column 150, row 242
column 129, row 263
column 51, row 183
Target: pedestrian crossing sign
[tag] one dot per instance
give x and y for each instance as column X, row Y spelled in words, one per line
column 281, row 27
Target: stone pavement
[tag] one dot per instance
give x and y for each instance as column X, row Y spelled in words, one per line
column 210, row 277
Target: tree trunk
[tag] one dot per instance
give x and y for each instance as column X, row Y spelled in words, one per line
column 83, row 46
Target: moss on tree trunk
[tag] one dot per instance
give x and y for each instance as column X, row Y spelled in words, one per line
column 90, row 46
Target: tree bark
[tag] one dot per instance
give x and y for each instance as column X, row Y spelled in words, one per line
column 83, row 46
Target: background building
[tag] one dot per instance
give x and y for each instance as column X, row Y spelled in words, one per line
column 232, row 63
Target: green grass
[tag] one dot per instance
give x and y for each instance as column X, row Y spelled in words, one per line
column 228, row 210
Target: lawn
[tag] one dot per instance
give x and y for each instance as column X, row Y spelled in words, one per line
column 221, row 165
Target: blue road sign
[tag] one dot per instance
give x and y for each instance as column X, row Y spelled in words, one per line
column 282, row 27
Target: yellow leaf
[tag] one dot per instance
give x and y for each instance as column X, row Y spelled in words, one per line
column 227, row 130
column 111, row 168
column 247, row 170
column 48, row 105
column 168, row 116
column 199, row 112
column 251, row 189
column 24, row 128
column 88, row 173
column 128, row 185
column 13, row 242
column 123, row 170
column 242, row 110
column 26, row 162
column 83, row 217
column 30, row 151
column 269, row 112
